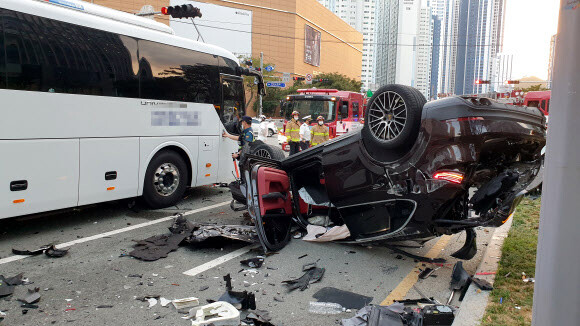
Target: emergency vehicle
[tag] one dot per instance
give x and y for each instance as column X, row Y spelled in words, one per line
column 343, row 111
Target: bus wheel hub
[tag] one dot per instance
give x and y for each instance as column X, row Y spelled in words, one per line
column 166, row 179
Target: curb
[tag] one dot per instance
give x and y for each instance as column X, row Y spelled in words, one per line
column 474, row 304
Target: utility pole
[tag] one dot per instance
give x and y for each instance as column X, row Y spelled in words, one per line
column 556, row 290
column 262, row 71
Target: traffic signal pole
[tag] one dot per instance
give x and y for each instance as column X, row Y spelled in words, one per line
column 557, row 290
column 261, row 70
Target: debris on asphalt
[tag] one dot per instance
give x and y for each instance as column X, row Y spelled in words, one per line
column 30, row 252
column 197, row 232
column 308, row 266
column 52, row 252
column 427, row 272
column 33, row 296
column 152, row 302
column 437, row 315
column 185, row 303
column 217, row 313
column 459, row 280
column 104, row 306
column 346, row 299
column 482, row 284
column 305, row 255
column 377, row 316
column 311, row 276
column 184, row 231
column 278, row 298
column 322, row 234
column 258, row 318
column 2, row 315
column 203, row 288
column 325, row 308
column 164, row 302
column 240, row 300
column 7, row 284
column 253, row 262
column 412, row 256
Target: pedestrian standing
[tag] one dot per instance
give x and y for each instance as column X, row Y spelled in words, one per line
column 263, row 130
column 246, row 137
column 305, row 134
column 319, row 132
column 293, row 133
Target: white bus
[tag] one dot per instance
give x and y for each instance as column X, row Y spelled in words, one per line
column 99, row 105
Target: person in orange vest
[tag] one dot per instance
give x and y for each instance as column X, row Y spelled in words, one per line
column 293, row 133
column 319, row 132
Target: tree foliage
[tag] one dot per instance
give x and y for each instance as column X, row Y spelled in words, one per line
column 534, row 88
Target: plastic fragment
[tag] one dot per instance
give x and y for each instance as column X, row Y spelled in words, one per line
column 185, row 303
column 325, row 308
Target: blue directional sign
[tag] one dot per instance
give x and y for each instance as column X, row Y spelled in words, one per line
column 274, row 84
column 269, row 68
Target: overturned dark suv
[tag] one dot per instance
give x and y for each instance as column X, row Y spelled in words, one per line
column 414, row 172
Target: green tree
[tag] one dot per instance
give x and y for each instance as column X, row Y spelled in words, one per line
column 534, row 88
column 337, row 81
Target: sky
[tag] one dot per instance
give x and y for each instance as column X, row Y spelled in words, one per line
column 529, row 25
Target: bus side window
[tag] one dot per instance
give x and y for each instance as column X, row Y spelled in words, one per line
column 46, row 55
column 176, row 74
column 233, row 107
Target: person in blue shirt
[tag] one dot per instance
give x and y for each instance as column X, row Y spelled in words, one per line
column 246, row 137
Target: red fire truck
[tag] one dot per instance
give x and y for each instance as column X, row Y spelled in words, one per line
column 540, row 100
column 342, row 110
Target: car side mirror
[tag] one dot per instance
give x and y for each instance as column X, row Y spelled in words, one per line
column 261, row 89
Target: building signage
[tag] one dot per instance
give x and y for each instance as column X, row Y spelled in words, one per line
column 275, row 84
column 311, row 46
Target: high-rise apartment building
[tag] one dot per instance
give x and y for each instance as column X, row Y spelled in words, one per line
column 404, row 43
column 479, row 39
column 359, row 14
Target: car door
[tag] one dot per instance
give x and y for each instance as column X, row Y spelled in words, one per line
column 270, row 205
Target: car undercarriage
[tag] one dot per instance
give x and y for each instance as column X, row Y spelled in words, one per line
column 450, row 165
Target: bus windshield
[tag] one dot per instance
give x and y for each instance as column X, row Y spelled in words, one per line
column 313, row 108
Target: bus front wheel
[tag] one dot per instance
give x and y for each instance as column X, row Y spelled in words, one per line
column 165, row 180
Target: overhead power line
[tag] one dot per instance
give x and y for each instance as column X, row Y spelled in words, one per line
column 332, row 41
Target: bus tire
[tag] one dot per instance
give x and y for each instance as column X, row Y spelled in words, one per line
column 392, row 121
column 165, row 180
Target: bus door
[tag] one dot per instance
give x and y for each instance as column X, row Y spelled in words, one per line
column 233, row 107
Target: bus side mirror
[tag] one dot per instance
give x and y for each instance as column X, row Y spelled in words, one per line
column 261, row 89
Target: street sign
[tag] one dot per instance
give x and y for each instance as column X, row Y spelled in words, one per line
column 269, row 68
column 275, row 84
column 308, row 78
column 286, row 77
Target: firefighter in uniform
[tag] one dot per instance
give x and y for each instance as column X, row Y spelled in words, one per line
column 293, row 133
column 319, row 132
column 246, row 137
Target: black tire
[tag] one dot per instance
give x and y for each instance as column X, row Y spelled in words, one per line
column 267, row 151
column 270, row 132
column 168, row 193
column 273, row 232
column 392, row 121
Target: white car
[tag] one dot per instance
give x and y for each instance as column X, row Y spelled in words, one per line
column 272, row 129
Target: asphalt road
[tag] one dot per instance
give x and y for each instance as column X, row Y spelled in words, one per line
column 96, row 270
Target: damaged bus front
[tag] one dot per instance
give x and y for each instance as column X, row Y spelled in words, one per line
column 414, row 172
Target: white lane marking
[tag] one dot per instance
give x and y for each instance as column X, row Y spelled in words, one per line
column 114, row 232
column 218, row 261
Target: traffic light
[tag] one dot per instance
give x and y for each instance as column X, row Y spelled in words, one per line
column 322, row 80
column 511, row 82
column 183, row 11
column 298, row 78
column 481, row 81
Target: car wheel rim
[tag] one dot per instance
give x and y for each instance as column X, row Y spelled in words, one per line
column 387, row 116
column 166, row 179
column 263, row 153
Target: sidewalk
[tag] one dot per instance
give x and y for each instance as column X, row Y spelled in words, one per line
column 474, row 304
